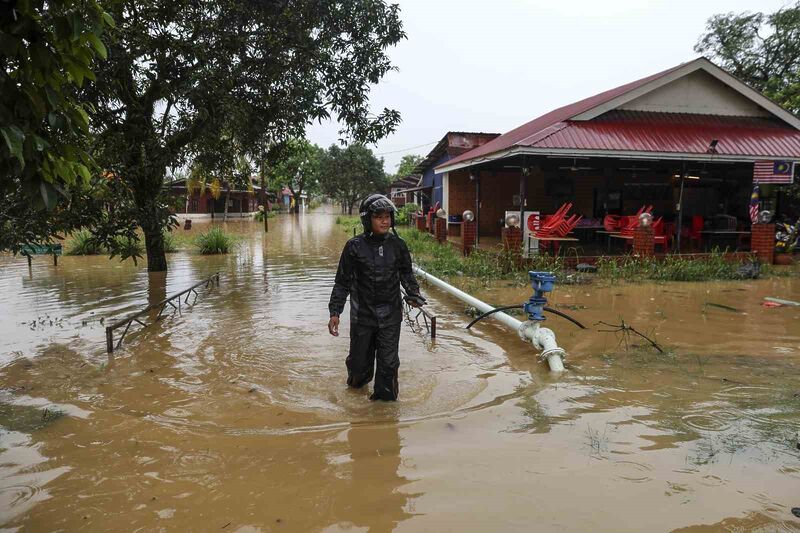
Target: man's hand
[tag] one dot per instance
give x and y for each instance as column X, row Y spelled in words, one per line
column 333, row 326
column 415, row 300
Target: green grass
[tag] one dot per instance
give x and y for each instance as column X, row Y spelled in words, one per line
column 496, row 263
column 349, row 223
column 259, row 216
column 130, row 247
column 81, row 243
column 214, row 241
column 445, row 260
column 170, row 242
column 714, row 266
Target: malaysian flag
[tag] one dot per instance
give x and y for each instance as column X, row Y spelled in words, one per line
column 754, row 204
column 773, row 172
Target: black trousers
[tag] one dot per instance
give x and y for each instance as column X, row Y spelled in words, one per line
column 368, row 345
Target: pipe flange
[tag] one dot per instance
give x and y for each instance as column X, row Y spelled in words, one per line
column 555, row 351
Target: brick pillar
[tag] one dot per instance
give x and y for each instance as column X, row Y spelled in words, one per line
column 441, row 229
column 431, row 226
column 420, row 223
column 762, row 242
column 643, row 242
column 512, row 241
column 469, row 230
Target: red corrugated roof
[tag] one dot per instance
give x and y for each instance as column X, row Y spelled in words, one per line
column 535, row 126
column 644, row 132
column 639, row 131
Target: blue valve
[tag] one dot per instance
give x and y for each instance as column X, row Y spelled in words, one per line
column 542, row 282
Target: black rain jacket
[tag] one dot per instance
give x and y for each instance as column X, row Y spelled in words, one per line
column 371, row 270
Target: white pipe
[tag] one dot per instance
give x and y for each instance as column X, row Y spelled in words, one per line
column 542, row 338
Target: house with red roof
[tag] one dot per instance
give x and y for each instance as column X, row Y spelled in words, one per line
column 685, row 141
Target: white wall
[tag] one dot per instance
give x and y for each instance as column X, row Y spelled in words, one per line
column 696, row 93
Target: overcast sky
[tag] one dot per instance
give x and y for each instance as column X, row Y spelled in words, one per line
column 492, row 65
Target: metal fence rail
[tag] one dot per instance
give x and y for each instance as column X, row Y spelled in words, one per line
column 418, row 318
column 210, row 281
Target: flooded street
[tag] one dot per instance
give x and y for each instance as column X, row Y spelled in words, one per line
column 235, row 416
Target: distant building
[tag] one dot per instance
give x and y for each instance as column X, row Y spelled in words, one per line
column 453, row 144
column 398, row 190
column 241, row 203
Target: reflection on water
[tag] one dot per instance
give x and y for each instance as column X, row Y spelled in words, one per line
column 233, row 414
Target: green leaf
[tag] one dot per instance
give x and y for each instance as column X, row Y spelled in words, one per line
column 14, row 138
column 84, row 173
column 98, row 45
column 76, row 72
column 83, row 118
column 109, row 20
column 49, row 195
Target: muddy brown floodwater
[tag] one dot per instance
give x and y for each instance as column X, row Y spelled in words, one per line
column 234, row 416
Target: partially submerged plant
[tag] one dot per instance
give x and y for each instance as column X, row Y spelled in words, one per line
column 83, row 243
column 214, row 241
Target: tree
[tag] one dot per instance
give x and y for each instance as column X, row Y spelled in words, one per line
column 211, row 80
column 350, row 174
column 763, row 50
column 46, row 52
column 407, row 165
column 298, row 168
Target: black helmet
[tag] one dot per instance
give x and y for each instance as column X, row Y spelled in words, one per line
column 372, row 205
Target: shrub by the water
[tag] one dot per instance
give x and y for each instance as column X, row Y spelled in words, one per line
column 170, row 242
column 129, row 247
column 214, row 241
column 82, row 243
column 714, row 266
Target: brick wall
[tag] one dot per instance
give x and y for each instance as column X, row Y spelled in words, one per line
column 441, row 230
column 420, row 221
column 763, row 242
column 470, row 230
column 643, row 241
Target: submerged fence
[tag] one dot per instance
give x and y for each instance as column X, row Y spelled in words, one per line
column 178, row 297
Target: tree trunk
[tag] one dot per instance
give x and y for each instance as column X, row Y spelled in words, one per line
column 154, row 245
column 227, row 200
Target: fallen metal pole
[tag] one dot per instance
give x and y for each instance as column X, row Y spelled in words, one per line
column 542, row 338
column 126, row 322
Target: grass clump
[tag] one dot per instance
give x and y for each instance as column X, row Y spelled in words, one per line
column 259, row 216
column 170, row 242
column 496, row 263
column 127, row 247
column 83, row 243
column 214, row 241
column 715, row 266
column 349, row 223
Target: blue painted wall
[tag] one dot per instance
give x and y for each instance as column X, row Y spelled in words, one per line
column 435, row 180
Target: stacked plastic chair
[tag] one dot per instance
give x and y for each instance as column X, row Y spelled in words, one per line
column 628, row 224
column 557, row 225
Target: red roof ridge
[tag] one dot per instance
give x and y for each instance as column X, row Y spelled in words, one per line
column 535, row 126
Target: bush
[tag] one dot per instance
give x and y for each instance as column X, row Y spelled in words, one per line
column 170, row 242
column 349, row 223
column 82, row 243
column 129, row 247
column 715, row 266
column 259, row 216
column 404, row 213
column 214, row 241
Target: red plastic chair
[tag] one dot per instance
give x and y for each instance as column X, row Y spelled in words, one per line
column 695, row 229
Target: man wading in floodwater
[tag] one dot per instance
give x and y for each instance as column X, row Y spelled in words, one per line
column 371, row 269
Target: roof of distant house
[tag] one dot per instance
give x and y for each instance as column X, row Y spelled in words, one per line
column 454, row 143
